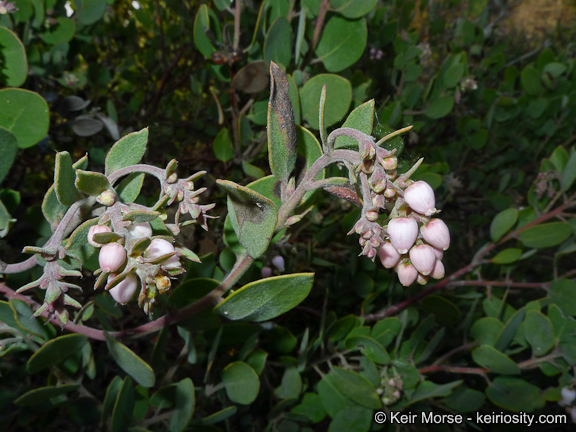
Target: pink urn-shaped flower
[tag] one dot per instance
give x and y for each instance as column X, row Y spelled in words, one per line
column 278, row 262
column 97, row 229
column 403, row 232
column 124, row 291
column 140, row 230
column 423, row 258
column 436, row 233
column 112, row 256
column 438, row 271
column 159, row 247
column 407, row 273
column 388, row 254
column 420, row 197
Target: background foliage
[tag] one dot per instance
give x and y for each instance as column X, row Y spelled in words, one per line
column 493, row 114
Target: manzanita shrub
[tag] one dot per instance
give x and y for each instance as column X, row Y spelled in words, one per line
column 117, row 322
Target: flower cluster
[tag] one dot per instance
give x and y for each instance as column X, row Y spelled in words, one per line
column 412, row 242
column 568, row 395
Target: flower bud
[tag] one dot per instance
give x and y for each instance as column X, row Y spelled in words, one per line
column 421, row 279
column 420, row 197
column 380, row 186
column 266, row 272
column 403, row 232
column 97, row 229
column 125, row 290
column 436, row 234
column 162, row 283
column 390, row 163
column 140, row 230
column 106, row 198
column 438, row 252
column 112, row 256
column 278, row 262
column 568, row 396
column 407, row 273
column 423, row 258
column 438, row 271
column 372, row 215
column 388, row 254
column 159, row 247
column 389, row 193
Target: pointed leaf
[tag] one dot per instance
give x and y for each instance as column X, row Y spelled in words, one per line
column 140, row 216
column 201, row 27
column 129, row 188
column 488, row 357
column 427, row 390
column 282, row 137
column 130, row 362
column 509, row 330
column 91, row 183
column 241, row 383
column 502, row 223
column 43, row 394
column 23, row 316
column 253, row 217
column 110, row 398
column 267, row 298
column 123, row 407
column 277, row 46
column 356, row 388
column 64, row 179
column 55, row 351
column 362, row 119
column 127, row 151
column 369, row 347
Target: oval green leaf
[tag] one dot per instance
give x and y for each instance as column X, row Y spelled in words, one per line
column 14, row 68
column 8, row 150
column 277, row 46
column 338, row 99
column 91, row 183
column 223, row 146
column 201, row 27
column 502, row 223
column 184, row 409
column 267, row 298
column 488, row 357
column 123, row 411
column 127, row 151
column 130, row 362
column 369, row 347
column 342, row 43
column 55, row 351
column 507, row 256
column 241, row 383
column 362, row 119
column 538, row 332
column 486, row 330
column 562, row 293
column 514, row 394
column 545, row 235
column 440, row 107
column 356, row 388
column 43, row 394
column 353, row 8
column 25, row 114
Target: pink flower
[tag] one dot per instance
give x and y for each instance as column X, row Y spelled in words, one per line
column 407, row 273
column 438, row 271
column 423, row 258
column 278, row 262
column 140, row 230
column 266, row 272
column 420, row 197
column 97, row 229
column 160, row 247
column 388, row 254
column 403, row 232
column 112, row 256
column 436, row 233
column 125, row 290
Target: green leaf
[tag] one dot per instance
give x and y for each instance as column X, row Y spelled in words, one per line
column 277, row 46
column 253, row 217
column 267, row 298
column 488, row 357
column 122, row 413
column 140, row 216
column 507, row 256
column 129, row 188
column 201, row 27
column 282, row 136
column 110, row 398
column 219, row 416
column 127, row 151
column 569, row 173
column 559, row 158
column 465, row 400
column 353, row 8
column 502, row 223
column 14, row 67
column 184, row 409
column 241, row 383
column 538, row 332
column 562, row 293
column 311, row 407
column 440, row 107
column 338, row 99
column 23, row 317
column 332, row 398
column 536, row 108
column 90, row 11
column 351, row 419
column 486, row 330
column 43, row 394
column 545, row 235
column 291, row 384
column 453, row 75
column 64, row 179
column 342, row 43
column 8, row 150
column 223, row 146
column 252, row 170
column 514, row 394
column 55, row 351
column 356, row 388
column 25, row 114
column 369, row 347
column 530, row 80
column 509, row 330
column 91, row 183
column 7, row 315
column 362, row 119
column 63, row 31
column 130, row 363
column 427, row 390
